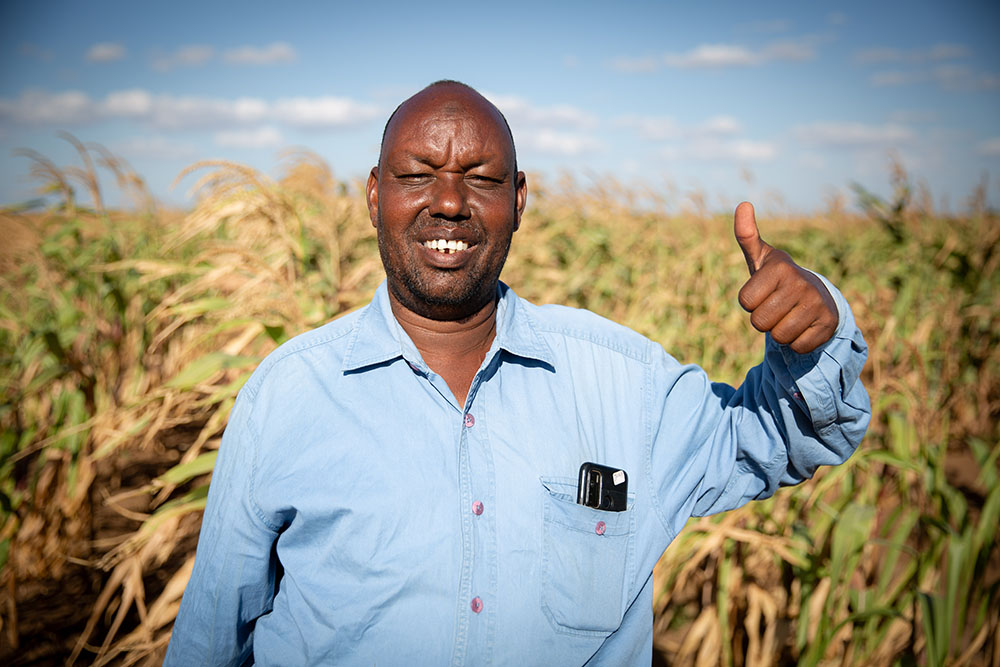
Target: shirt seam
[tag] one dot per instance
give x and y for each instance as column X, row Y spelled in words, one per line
column 254, row 387
column 255, row 440
column 576, row 334
column 651, row 486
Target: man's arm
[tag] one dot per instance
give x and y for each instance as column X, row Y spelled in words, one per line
column 232, row 584
column 717, row 446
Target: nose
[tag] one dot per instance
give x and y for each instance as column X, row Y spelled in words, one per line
column 449, row 198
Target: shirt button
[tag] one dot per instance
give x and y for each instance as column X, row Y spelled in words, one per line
column 470, row 421
column 477, row 604
column 477, row 508
column 599, row 528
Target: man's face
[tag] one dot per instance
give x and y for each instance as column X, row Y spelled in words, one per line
column 446, row 201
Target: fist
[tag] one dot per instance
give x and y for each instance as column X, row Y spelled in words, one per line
column 782, row 297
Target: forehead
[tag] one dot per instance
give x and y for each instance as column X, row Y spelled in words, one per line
column 447, row 120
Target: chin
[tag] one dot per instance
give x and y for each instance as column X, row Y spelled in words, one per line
column 443, row 303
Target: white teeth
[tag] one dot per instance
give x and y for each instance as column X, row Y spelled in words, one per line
column 447, row 247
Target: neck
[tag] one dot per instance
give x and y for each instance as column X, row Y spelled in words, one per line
column 473, row 334
column 454, row 349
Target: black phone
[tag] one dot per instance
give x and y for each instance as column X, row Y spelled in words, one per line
column 602, row 487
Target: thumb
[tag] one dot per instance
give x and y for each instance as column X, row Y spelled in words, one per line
column 745, row 227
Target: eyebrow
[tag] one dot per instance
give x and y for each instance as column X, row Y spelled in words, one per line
column 430, row 162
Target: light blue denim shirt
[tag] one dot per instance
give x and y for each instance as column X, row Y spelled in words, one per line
column 359, row 516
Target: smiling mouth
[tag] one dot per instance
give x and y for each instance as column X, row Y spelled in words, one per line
column 446, row 247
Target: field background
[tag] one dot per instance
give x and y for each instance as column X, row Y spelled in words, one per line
column 125, row 336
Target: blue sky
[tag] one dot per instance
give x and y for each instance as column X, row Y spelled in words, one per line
column 785, row 104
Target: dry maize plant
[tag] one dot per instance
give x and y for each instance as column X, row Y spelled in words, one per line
column 126, row 337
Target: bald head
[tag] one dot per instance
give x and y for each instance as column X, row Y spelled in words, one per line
column 449, row 97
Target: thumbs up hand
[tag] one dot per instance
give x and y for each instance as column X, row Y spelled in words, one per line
column 782, row 297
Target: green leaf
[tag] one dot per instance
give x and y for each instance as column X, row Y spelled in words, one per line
column 989, row 518
column 205, row 367
column 185, row 471
column 276, row 332
column 849, row 535
column 201, row 306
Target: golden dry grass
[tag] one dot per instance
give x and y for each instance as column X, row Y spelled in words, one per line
column 127, row 336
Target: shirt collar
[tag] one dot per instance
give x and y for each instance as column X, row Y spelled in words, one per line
column 378, row 337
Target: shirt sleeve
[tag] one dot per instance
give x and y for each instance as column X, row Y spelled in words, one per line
column 234, row 571
column 715, row 447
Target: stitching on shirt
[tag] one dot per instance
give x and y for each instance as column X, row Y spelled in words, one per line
column 607, row 343
column 281, row 354
column 647, row 408
column 586, row 335
column 255, row 441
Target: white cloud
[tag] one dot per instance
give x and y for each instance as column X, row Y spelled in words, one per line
column 895, row 78
column 714, row 56
column 946, row 77
column 520, row 112
column 182, row 112
column 990, row 147
column 715, row 150
column 551, row 142
column 960, row 77
column 318, row 112
column 635, row 65
column 719, row 126
column 261, row 137
column 170, row 112
column 851, row 135
column 887, row 54
column 274, row 53
column 788, row 51
column 191, row 55
column 660, row 128
column 948, row 52
column 36, row 107
column 712, row 139
column 105, row 52
column 134, row 103
column 653, row 128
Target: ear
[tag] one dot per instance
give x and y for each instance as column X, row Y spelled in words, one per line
column 371, row 194
column 521, row 197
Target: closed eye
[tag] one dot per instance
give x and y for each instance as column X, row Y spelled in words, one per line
column 480, row 180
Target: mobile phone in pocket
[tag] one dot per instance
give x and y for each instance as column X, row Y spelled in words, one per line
column 602, row 487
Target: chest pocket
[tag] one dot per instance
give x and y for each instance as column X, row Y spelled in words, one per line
column 587, row 558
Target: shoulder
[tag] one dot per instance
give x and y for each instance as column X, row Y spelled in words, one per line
column 564, row 326
column 320, row 348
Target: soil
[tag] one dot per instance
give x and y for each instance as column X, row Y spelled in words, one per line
column 49, row 615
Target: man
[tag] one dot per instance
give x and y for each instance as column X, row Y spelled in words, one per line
column 398, row 487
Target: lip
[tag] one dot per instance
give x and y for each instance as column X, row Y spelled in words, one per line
column 448, row 234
